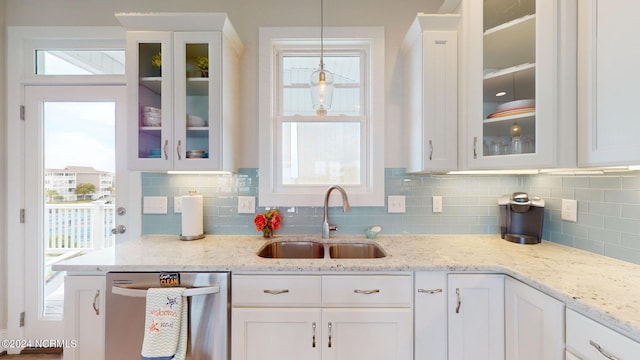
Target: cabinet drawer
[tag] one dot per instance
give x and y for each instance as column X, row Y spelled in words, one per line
column 274, row 290
column 386, row 290
column 585, row 335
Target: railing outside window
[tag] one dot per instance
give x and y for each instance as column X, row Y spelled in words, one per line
column 72, row 227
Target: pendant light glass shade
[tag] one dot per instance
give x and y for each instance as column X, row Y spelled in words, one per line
column 321, row 82
column 321, row 90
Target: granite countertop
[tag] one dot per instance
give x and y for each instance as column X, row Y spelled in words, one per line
column 602, row 288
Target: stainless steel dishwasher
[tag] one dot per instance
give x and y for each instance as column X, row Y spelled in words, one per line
column 207, row 295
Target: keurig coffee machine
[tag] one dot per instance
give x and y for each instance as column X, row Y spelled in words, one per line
column 521, row 218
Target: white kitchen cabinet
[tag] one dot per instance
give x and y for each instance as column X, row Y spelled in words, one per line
column 589, row 340
column 84, row 317
column 517, row 51
column 608, row 81
column 534, row 323
column 430, row 315
column 476, row 316
column 276, row 333
column 351, row 317
column 430, row 52
column 180, row 117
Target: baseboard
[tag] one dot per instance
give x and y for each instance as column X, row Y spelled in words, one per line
column 41, row 351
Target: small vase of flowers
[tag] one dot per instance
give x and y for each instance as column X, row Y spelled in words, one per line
column 267, row 222
column 202, row 63
column 156, row 63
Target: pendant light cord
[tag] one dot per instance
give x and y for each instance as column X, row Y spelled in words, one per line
column 321, row 34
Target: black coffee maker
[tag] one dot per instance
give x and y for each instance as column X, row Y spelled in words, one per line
column 521, row 218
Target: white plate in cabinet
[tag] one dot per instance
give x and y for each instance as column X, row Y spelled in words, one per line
column 589, row 340
column 276, row 290
column 366, row 290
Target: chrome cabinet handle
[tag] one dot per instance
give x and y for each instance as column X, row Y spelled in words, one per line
column 313, row 338
column 178, row 149
column 366, row 292
column 475, row 143
column 329, row 334
column 602, row 351
column 95, row 302
column 459, row 300
column 430, row 150
column 276, row 292
column 165, row 149
column 430, row 291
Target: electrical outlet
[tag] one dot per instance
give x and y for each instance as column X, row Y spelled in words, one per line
column 570, row 210
column 177, row 204
column 154, row 205
column 396, row 204
column 437, row 204
column 246, row 204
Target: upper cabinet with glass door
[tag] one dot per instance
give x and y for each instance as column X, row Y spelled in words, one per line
column 183, row 76
column 518, row 83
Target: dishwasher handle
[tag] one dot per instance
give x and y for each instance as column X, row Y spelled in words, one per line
column 140, row 293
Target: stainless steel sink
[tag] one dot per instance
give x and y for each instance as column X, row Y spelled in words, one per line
column 292, row 250
column 308, row 249
column 356, row 251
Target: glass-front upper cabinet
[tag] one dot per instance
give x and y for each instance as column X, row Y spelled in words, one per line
column 518, row 66
column 179, row 118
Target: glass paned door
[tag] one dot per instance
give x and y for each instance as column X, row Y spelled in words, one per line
column 71, row 196
column 509, row 70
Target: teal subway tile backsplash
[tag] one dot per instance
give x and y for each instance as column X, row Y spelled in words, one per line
column 608, row 207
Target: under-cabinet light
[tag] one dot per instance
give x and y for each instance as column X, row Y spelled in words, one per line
column 501, row 93
column 495, row 172
column 179, row 172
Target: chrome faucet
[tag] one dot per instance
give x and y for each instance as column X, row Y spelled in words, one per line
column 326, row 228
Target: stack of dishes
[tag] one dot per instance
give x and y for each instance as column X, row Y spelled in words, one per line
column 195, row 121
column 154, row 153
column 511, row 108
column 151, row 116
column 197, row 154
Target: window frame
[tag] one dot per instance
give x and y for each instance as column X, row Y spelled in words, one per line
column 370, row 41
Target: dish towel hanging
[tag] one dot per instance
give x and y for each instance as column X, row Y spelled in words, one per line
column 166, row 324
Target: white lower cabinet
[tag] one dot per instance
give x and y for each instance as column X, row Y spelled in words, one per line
column 430, row 315
column 534, row 326
column 476, row 316
column 590, row 340
column 363, row 317
column 84, row 317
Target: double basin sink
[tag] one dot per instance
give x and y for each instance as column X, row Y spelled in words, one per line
column 309, row 249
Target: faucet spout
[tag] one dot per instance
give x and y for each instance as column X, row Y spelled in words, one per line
column 326, row 228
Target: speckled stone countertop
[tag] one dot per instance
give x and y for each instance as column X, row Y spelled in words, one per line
column 602, row 288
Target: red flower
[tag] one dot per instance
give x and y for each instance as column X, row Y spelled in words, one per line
column 260, row 221
column 275, row 221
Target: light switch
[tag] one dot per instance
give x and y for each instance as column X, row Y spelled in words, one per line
column 177, row 204
column 396, row 204
column 154, row 205
column 570, row 210
column 437, row 204
column 246, row 204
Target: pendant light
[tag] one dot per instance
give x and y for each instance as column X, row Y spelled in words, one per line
column 321, row 80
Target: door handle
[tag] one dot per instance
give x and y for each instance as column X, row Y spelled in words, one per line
column 120, row 229
column 459, row 300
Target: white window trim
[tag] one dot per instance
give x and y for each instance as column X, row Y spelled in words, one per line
column 373, row 193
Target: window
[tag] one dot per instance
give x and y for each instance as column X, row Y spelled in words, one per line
column 301, row 153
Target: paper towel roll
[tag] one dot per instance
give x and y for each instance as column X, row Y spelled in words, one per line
column 192, row 217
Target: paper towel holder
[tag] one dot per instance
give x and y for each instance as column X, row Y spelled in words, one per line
column 194, row 237
column 197, row 236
